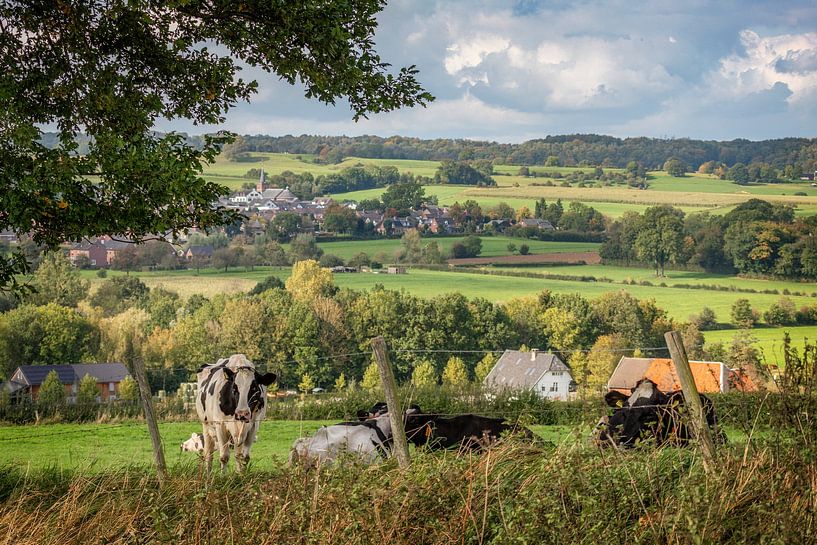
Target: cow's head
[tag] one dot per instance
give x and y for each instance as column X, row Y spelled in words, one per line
column 419, row 426
column 194, row 444
column 378, row 409
column 243, row 392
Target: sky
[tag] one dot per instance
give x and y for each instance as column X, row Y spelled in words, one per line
column 511, row 71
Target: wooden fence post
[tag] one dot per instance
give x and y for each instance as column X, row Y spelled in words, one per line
column 692, row 397
column 395, row 411
column 147, row 406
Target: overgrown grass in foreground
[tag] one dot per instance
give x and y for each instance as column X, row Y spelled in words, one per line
column 514, row 494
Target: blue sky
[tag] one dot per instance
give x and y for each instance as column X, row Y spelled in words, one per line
column 512, row 71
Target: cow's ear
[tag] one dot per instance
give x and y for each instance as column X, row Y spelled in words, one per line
column 266, row 379
column 615, row 399
column 228, row 374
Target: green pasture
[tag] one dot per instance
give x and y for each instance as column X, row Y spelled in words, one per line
column 768, row 339
column 671, row 278
column 678, row 302
column 706, row 183
column 100, row 447
column 449, row 194
column 491, row 246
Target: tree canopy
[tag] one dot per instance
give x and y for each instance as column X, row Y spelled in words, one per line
column 109, row 70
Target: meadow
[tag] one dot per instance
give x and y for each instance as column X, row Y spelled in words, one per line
column 96, row 447
column 491, row 246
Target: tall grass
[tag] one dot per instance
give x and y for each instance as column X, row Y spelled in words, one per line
column 512, row 494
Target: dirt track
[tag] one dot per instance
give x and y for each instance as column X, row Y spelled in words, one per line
column 591, row 258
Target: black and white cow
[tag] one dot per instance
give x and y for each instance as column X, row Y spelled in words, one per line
column 367, row 440
column 378, row 409
column 650, row 413
column 465, row 431
column 231, row 406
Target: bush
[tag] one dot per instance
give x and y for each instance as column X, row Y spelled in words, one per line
column 783, row 312
column 270, row 282
column 330, row 260
column 524, row 249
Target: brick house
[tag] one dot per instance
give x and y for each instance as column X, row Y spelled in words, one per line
column 28, row 379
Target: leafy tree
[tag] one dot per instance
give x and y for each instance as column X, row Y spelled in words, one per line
column 484, row 367
column 432, row 253
column 57, row 281
column 226, row 257
column 273, row 254
column 660, row 239
column 424, row 374
column 471, row 246
column 524, row 249
column 340, row 382
column 738, row 173
column 743, row 315
column 307, row 383
column 360, row 259
column 339, row 219
column 283, row 226
column 706, row 320
column 162, row 306
column 461, row 172
column 128, row 389
column 88, row 391
column 783, row 312
column 675, row 168
column 693, row 341
column 52, row 390
column 330, row 260
column 561, row 328
column 455, row 373
column 118, row 293
column 164, row 67
column 502, row 211
column 371, row 378
column 309, row 280
column 43, row 335
column 411, row 250
column 511, row 247
column 304, row 247
column 269, row 283
column 403, row 197
column 602, row 360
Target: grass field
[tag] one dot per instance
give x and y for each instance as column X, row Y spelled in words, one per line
column 99, row 447
column 679, row 303
column 769, row 339
column 491, row 246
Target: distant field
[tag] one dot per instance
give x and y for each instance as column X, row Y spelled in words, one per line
column 679, row 303
column 769, row 339
column 99, row 447
column 620, row 274
column 693, row 192
column 491, row 246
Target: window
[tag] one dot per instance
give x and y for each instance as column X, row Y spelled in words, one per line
column 111, row 387
column 555, row 387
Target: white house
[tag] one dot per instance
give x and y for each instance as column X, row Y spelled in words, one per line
column 543, row 372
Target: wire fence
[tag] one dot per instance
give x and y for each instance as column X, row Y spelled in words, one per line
column 522, row 406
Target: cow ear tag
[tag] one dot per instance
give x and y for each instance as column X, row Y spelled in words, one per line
column 428, row 431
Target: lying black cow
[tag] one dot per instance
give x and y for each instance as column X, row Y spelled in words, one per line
column 465, row 431
column 650, row 413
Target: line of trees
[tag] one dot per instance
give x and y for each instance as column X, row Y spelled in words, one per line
column 756, row 237
column 564, row 150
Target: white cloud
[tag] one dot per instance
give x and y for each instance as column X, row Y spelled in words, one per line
column 790, row 59
column 471, row 53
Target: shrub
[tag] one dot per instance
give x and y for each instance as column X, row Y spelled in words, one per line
column 524, row 249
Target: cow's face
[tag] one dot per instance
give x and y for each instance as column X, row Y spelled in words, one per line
column 194, row 444
column 243, row 393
